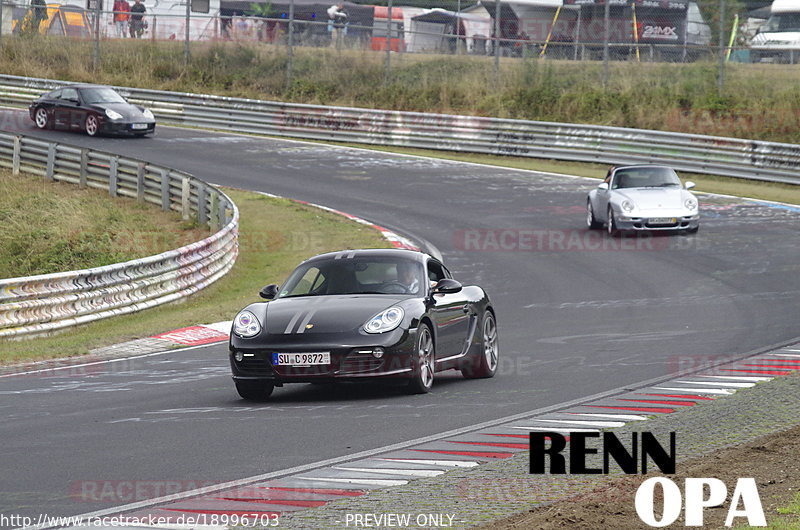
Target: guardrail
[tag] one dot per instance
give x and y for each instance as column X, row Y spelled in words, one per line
column 731, row 157
column 45, row 303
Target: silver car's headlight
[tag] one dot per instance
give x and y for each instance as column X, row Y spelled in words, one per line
column 627, row 205
column 148, row 114
column 691, row 204
column 113, row 115
column 246, row 325
column 386, row 320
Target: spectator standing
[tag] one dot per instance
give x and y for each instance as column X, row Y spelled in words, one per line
column 337, row 19
column 122, row 13
column 39, row 13
column 137, row 19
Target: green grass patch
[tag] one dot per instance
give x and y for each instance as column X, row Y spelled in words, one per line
column 793, row 508
column 758, row 101
column 275, row 235
column 53, row 227
column 788, row 517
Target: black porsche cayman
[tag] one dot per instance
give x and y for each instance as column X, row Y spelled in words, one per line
column 363, row 314
column 94, row 109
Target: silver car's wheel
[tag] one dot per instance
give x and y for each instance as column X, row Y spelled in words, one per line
column 92, row 125
column 611, row 224
column 591, row 222
column 41, row 118
column 487, row 361
column 424, row 363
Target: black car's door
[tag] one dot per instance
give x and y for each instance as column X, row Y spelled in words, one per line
column 450, row 315
column 52, row 103
column 69, row 106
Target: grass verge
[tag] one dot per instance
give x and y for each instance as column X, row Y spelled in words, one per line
column 275, row 235
column 53, row 227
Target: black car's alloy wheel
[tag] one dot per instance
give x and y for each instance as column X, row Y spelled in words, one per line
column 485, row 363
column 92, row 125
column 254, row 390
column 41, row 118
column 424, row 362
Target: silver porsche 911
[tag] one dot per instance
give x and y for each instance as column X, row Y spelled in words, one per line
column 643, row 198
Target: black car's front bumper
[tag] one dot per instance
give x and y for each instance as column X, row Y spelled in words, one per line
column 349, row 360
column 128, row 127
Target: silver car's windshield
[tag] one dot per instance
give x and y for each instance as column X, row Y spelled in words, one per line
column 101, row 95
column 360, row 275
column 645, row 177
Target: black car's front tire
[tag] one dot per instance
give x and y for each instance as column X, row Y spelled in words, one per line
column 92, row 125
column 41, row 118
column 424, row 362
column 254, row 390
column 485, row 363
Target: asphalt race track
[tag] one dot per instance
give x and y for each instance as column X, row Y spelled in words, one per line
column 578, row 314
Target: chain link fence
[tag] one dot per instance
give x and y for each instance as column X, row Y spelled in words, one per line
column 577, row 30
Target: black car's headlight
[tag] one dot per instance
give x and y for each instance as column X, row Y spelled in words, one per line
column 148, row 114
column 386, row 320
column 113, row 115
column 246, row 325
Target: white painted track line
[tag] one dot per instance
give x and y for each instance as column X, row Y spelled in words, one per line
column 443, row 463
column 630, row 417
column 387, row 471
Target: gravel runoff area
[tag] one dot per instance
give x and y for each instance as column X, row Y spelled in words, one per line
column 724, row 438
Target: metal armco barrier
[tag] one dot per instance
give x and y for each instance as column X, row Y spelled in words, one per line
column 45, row 303
column 731, row 157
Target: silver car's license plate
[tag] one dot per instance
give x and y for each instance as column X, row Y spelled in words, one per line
column 662, row 220
column 301, row 359
column 139, row 126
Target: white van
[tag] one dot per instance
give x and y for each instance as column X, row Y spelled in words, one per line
column 778, row 40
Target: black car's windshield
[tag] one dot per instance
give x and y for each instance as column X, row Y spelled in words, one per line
column 101, row 95
column 359, row 275
column 645, row 177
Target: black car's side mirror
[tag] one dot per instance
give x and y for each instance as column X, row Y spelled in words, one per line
column 447, row 286
column 269, row 292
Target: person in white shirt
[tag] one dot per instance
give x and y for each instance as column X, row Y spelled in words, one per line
column 336, row 21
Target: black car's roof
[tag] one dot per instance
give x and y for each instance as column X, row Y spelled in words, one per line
column 628, row 166
column 86, row 85
column 373, row 252
column 83, row 85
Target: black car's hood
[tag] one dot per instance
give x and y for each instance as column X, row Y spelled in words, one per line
column 324, row 314
column 128, row 111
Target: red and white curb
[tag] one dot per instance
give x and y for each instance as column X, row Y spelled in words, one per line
column 197, row 335
column 395, row 239
column 315, row 485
